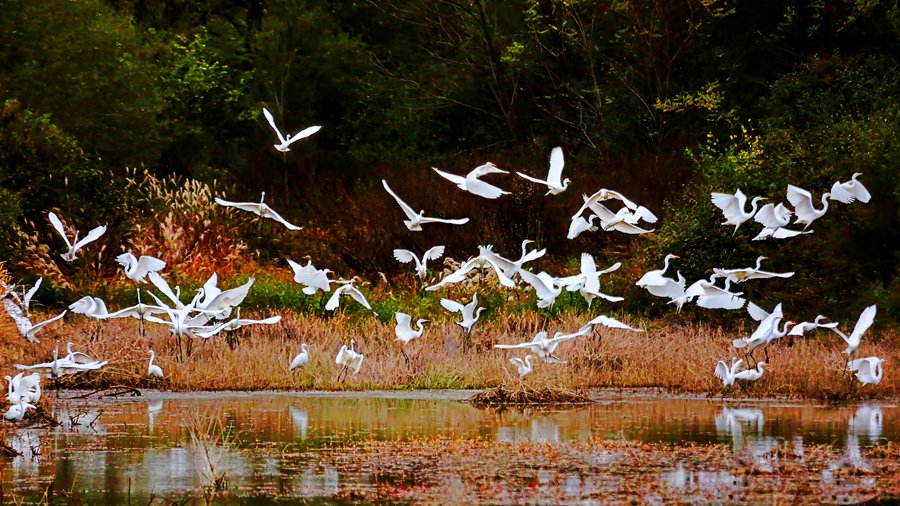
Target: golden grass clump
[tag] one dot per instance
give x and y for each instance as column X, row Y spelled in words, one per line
column 522, row 395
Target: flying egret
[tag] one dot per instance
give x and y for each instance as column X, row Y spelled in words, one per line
column 21, row 385
column 235, row 324
column 748, row 273
column 75, row 245
column 850, row 191
column 545, row 287
column 652, row 279
column 347, row 288
column 711, row 296
column 522, row 366
column 768, row 324
column 511, row 267
column 152, row 369
column 92, row 307
column 868, row 370
column 415, row 220
column 733, row 206
column 579, row 225
column 138, row 268
column 866, row 318
column 804, row 327
column 77, row 357
column 468, row 266
column 604, row 194
column 221, row 302
column 728, row 374
column 779, row 233
column 545, row 347
column 752, row 374
column 773, row 218
column 612, row 323
column 284, row 143
column 405, row 256
column 404, row 330
column 310, row 277
column 260, row 209
column 472, row 184
column 301, row 359
column 469, row 312
column 804, row 208
column 624, row 220
column 587, row 282
column 554, row 182
column 138, row 311
column 23, row 323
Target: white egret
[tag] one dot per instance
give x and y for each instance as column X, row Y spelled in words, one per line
column 748, row 273
column 469, row 312
column 772, row 216
column 415, row 220
column 711, row 296
column 92, row 307
column 866, row 318
column 804, row 327
column 779, row 233
column 284, row 143
column 868, row 370
column 612, row 323
column 75, row 245
column 587, row 282
column 732, row 207
column 301, row 359
column 767, row 326
column 219, row 301
column 138, row 268
column 310, row 277
column 77, row 357
column 405, row 256
column 472, row 184
column 522, row 366
column 604, row 194
column 624, row 220
column 350, row 358
column 404, row 330
column 468, row 266
column 545, row 347
column 138, row 311
column 509, row 267
column 23, row 323
column 17, row 411
column 260, row 209
column 727, row 374
column 152, row 369
column 652, row 279
column 554, row 182
column 804, row 208
column 235, row 324
column 166, row 290
column 21, row 385
column 850, row 191
column 579, row 225
column 752, row 374
column 545, row 287
column 347, row 288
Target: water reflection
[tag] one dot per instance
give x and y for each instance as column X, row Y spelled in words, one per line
column 145, row 447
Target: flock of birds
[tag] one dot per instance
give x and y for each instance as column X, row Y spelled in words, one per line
column 209, row 311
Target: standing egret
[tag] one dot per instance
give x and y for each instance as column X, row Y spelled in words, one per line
column 751, row 374
column 137, row 268
column 154, row 370
column 728, row 374
column 472, row 184
column 554, row 182
column 522, row 366
column 414, row 220
column 866, row 318
column 804, row 208
column 405, row 256
column 75, row 245
column 868, row 370
column 850, row 191
column 469, row 312
column 405, row 333
column 301, row 359
column 732, row 207
column 284, row 143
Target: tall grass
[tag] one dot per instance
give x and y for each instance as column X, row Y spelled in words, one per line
column 668, row 357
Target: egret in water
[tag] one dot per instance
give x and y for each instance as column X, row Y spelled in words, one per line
column 260, row 209
column 850, row 191
column 868, row 370
column 727, row 374
column 733, row 206
column 137, row 268
column 405, row 256
column 154, row 370
column 804, row 209
column 554, row 182
column 471, row 182
column 469, row 312
column 75, row 245
column 284, row 143
column 414, row 220
column 522, row 366
column 866, row 318
column 301, row 359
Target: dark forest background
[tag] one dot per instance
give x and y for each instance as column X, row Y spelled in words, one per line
column 662, row 100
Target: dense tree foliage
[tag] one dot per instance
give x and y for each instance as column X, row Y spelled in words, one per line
column 662, row 100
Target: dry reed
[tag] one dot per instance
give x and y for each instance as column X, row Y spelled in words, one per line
column 667, row 357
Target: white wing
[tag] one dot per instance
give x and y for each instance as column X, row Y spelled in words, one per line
column 91, row 236
column 272, row 215
column 271, row 120
column 408, row 211
column 759, row 314
column 405, row 256
column 163, row 287
column 612, row 323
column 722, row 370
column 454, row 277
column 860, row 192
column 27, row 300
column 642, row 213
column 252, row 207
column 554, row 177
column 532, row 179
column 34, row 330
column 335, row 300
column 452, row 306
column 433, row 253
column 839, row 193
column 866, row 318
column 802, row 201
column 54, row 220
column 766, row 216
column 302, row 134
column 403, row 319
column 731, row 205
column 147, row 264
column 453, row 178
column 358, row 296
column 478, row 187
column 625, row 228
